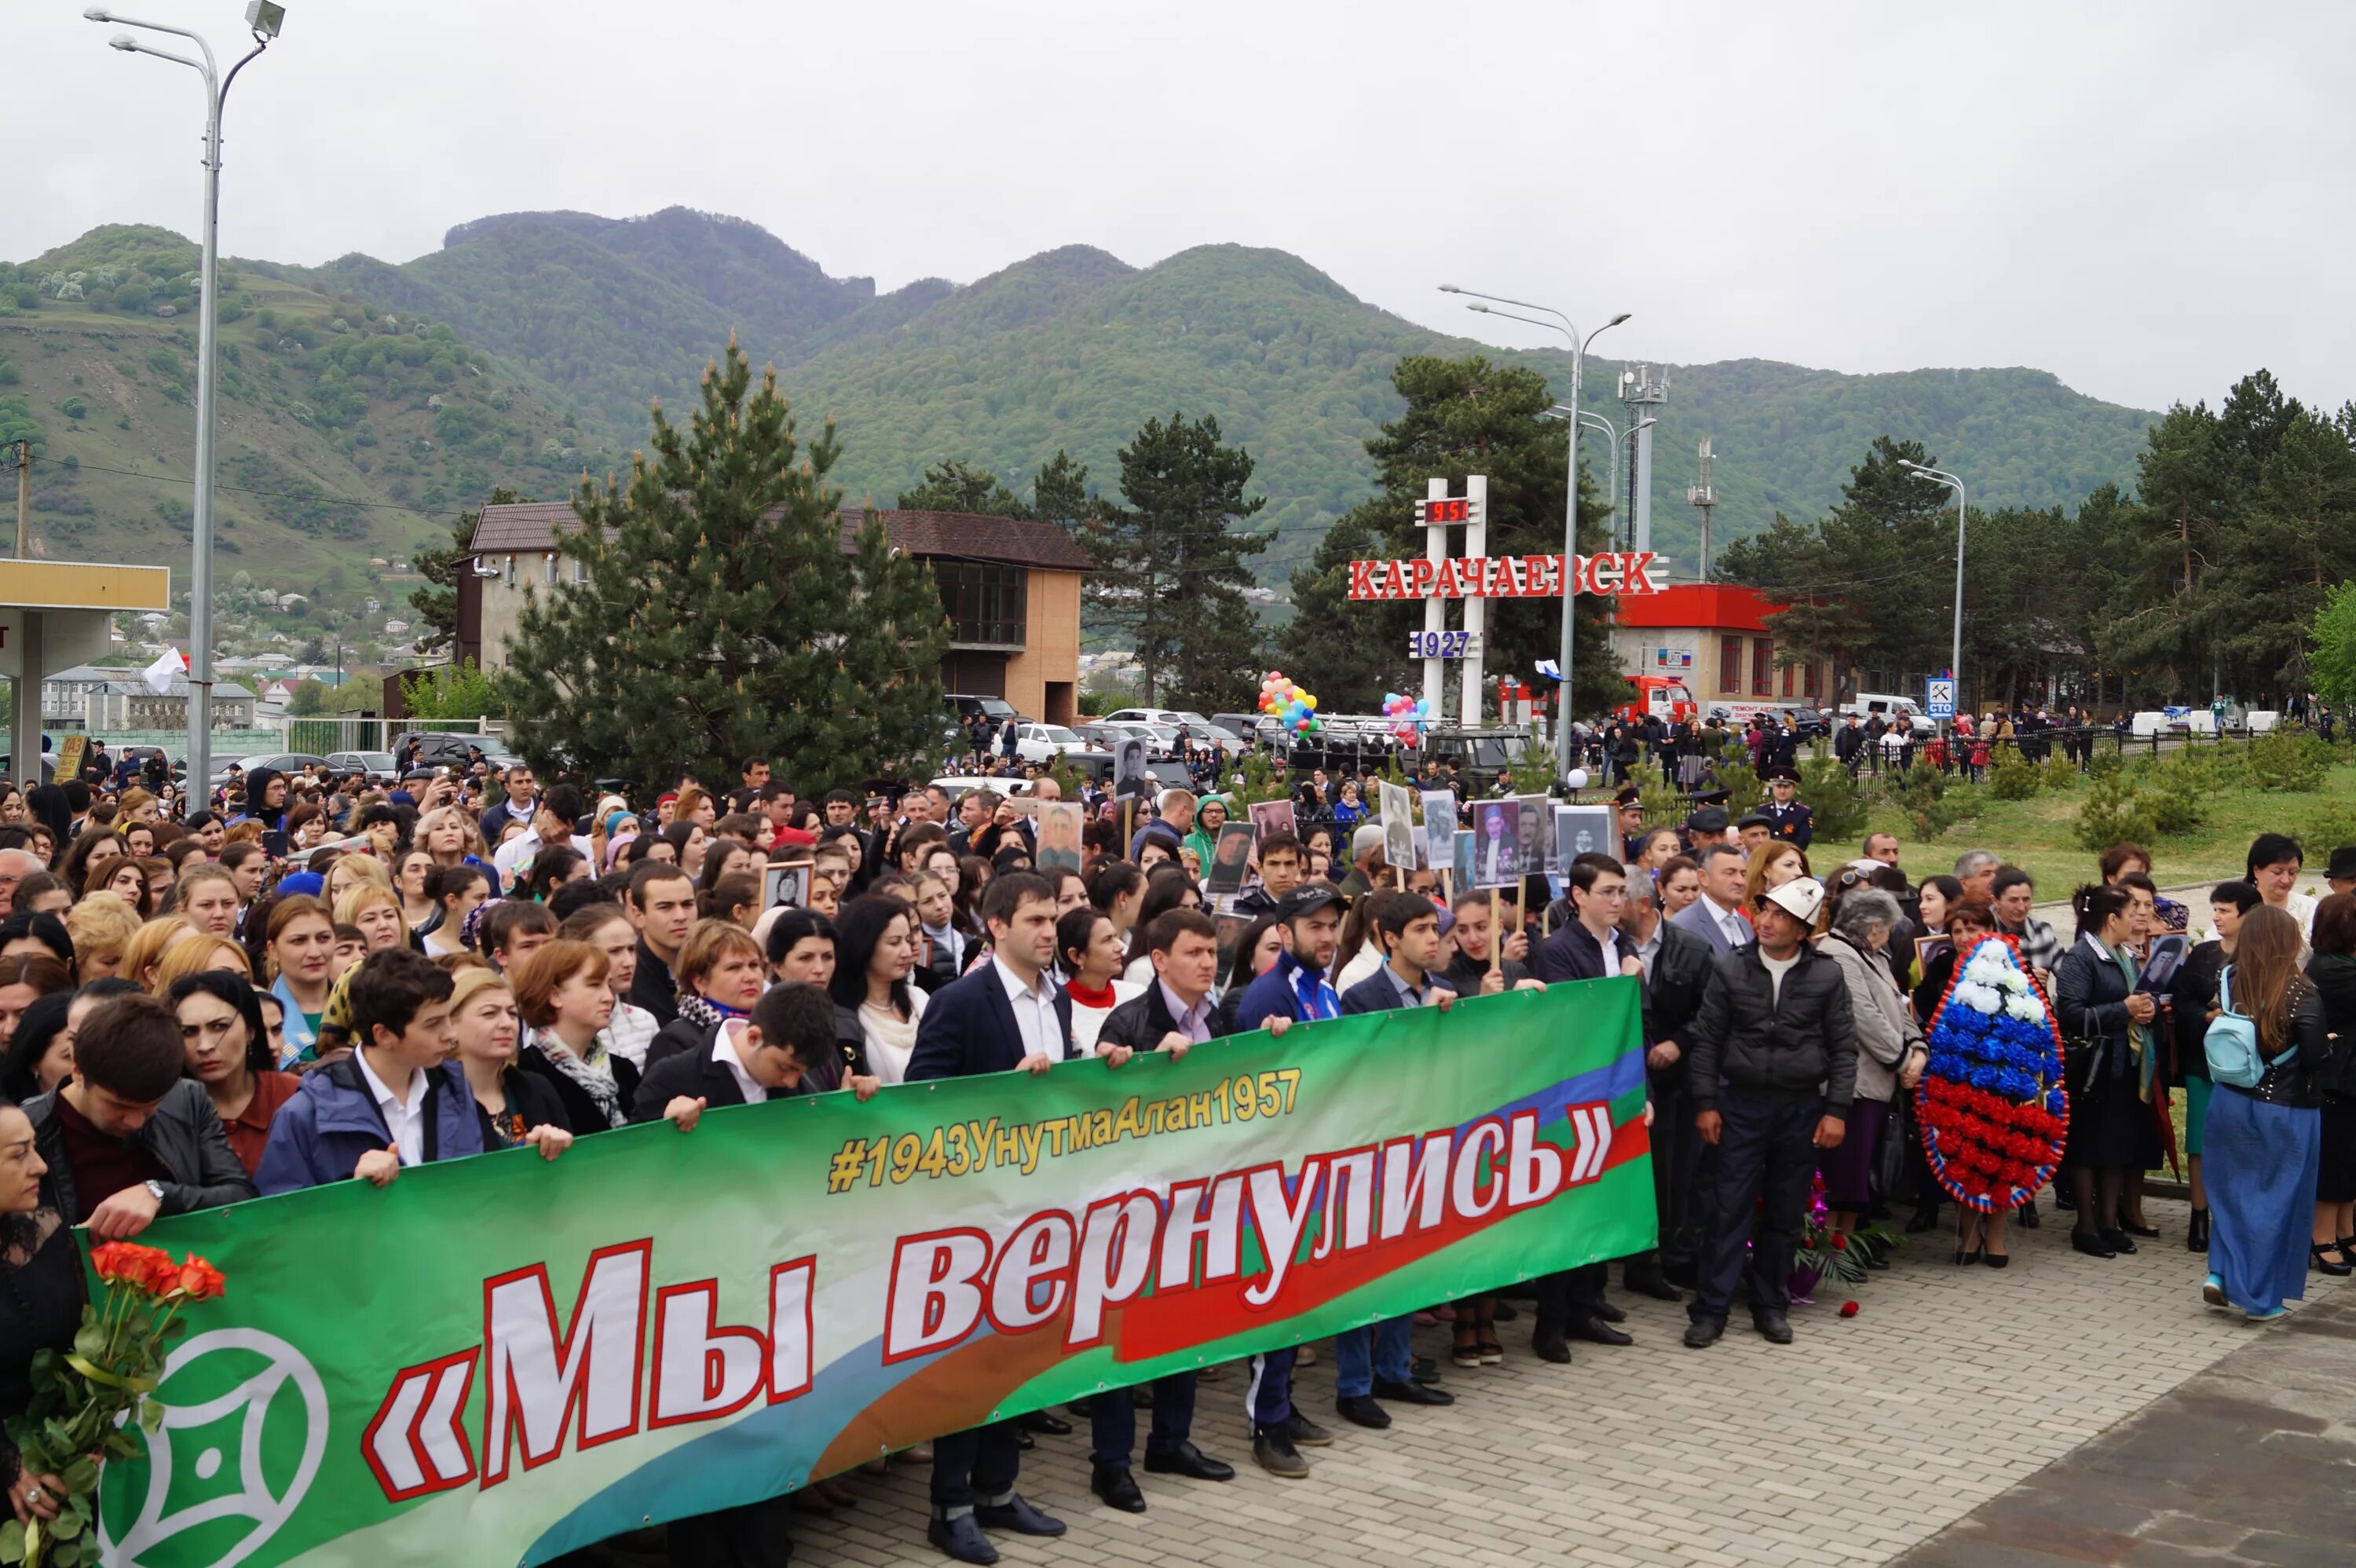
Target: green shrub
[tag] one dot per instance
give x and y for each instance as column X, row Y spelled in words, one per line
column 73, row 408
column 2289, row 760
column 2012, row 777
column 2115, row 811
column 1834, row 801
column 2058, row 774
column 1922, row 796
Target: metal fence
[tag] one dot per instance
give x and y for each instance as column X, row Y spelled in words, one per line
column 321, row 736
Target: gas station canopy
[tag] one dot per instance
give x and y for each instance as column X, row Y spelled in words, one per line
column 53, row 616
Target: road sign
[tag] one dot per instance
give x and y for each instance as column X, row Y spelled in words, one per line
column 1940, row 702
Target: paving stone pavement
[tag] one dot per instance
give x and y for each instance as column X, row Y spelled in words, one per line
column 1866, row 1437
column 2247, row 1463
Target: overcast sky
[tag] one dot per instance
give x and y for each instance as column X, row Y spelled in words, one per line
column 2146, row 199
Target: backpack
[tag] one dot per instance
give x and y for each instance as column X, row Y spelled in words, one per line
column 2232, row 1042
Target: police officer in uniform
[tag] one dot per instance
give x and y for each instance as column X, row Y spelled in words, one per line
column 1628, row 810
column 1788, row 821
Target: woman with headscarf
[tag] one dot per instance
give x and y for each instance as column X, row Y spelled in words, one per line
column 1210, row 816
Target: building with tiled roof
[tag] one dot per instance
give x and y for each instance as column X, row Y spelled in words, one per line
column 1012, row 590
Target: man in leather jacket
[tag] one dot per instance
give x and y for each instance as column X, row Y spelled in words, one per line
column 1771, row 1070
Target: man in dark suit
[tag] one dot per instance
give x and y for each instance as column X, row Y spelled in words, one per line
column 1005, row 1016
column 1380, row 1359
column 1588, row 946
column 1677, row 967
column 1174, row 1013
column 1714, row 917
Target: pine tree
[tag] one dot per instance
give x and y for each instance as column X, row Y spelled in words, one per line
column 718, row 616
column 437, row 603
column 1059, row 492
column 1171, row 569
column 955, row 486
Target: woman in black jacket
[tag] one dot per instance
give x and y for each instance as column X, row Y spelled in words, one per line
column 2106, row 1029
column 41, row 1297
column 2333, row 972
column 508, row 1101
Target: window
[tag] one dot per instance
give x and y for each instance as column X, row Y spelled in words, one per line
column 1763, row 667
column 1790, row 676
column 984, row 601
column 547, row 570
column 1730, row 663
column 1812, row 678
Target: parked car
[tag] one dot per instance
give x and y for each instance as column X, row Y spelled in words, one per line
column 377, row 767
column 451, row 748
column 1202, row 730
column 997, row 709
column 276, row 761
column 1047, row 743
column 1110, row 736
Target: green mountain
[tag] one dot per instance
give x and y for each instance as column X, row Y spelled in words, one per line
column 348, row 434
column 577, row 320
column 1075, row 349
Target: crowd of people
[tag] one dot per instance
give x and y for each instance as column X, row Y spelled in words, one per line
column 311, row 980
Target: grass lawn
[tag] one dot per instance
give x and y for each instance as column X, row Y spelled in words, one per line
column 2040, row 835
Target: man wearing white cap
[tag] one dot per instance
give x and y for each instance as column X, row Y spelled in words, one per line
column 1772, row 1056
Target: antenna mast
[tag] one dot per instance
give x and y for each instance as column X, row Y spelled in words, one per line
column 1703, row 498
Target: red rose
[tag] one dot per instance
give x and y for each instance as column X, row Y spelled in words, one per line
column 200, row 1281
column 1849, row 1309
column 162, row 1276
column 112, row 1262
column 1840, row 1242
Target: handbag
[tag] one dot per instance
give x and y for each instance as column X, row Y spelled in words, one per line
column 2232, row 1042
column 2081, row 1060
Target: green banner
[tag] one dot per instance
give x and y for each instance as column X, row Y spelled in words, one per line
column 528, row 1357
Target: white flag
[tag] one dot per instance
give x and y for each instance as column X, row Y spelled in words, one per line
column 165, row 670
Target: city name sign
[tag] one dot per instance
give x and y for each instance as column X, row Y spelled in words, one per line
column 1502, row 576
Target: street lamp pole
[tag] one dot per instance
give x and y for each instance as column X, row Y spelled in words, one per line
column 1561, row 323
column 1955, row 651
column 265, row 19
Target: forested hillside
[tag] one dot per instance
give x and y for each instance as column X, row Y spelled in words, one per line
column 554, row 330
column 349, row 432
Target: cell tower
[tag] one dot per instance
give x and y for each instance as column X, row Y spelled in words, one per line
column 1642, row 391
column 1703, row 497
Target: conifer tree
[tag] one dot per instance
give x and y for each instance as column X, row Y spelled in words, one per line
column 716, row 616
column 1171, row 569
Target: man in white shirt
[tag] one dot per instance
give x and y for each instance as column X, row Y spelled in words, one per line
column 1712, row 916
column 552, row 823
column 1005, row 1016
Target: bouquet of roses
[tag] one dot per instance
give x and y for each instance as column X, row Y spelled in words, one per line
column 85, row 1399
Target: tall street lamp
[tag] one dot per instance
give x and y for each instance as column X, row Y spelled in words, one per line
column 1561, row 323
column 264, row 18
column 1955, row 652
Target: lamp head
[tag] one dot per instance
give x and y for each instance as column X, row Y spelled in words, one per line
column 1444, row 288
column 265, row 18
column 1618, row 319
column 97, row 14
column 123, row 41
column 1906, row 463
column 1484, row 310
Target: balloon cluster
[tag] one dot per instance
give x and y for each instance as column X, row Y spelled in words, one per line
column 1285, row 701
column 1407, row 715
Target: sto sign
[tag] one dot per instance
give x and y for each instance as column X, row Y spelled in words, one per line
column 1501, row 576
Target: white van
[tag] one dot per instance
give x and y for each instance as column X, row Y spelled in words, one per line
column 1891, row 709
